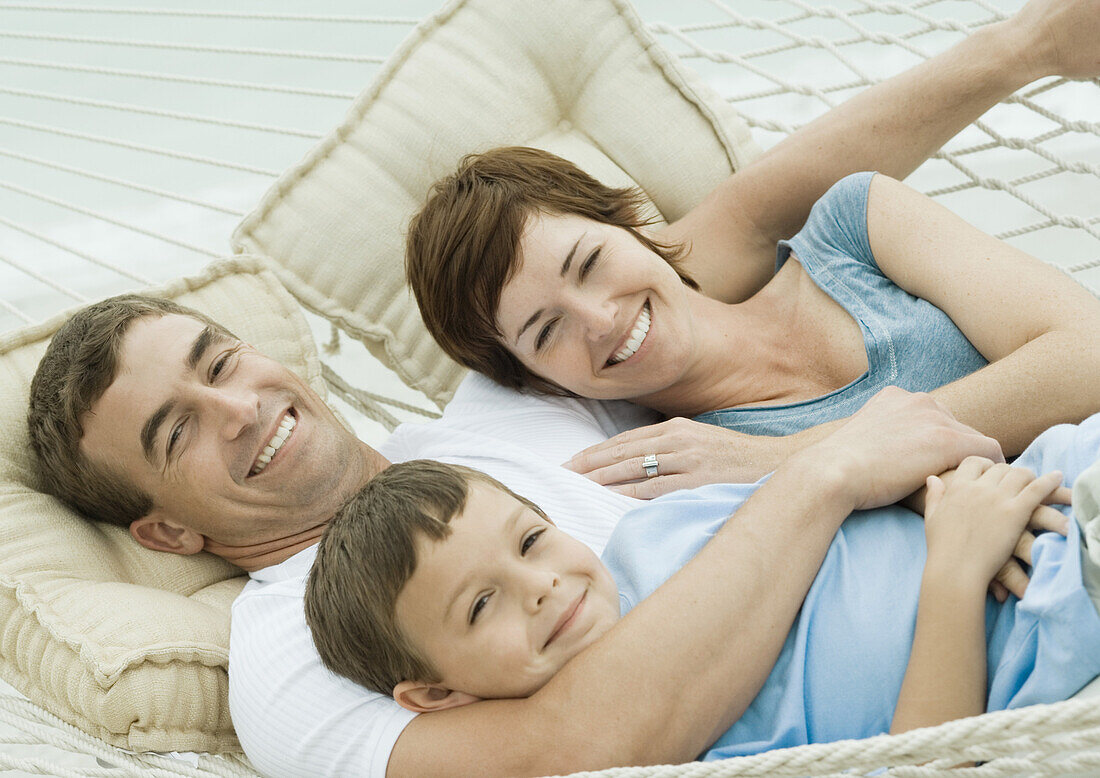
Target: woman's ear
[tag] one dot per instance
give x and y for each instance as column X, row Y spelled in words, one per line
column 427, row 697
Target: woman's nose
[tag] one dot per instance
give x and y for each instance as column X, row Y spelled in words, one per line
column 598, row 318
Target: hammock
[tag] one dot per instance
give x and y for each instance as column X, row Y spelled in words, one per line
column 124, row 140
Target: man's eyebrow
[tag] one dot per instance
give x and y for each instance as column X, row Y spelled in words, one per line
column 152, row 427
column 205, row 339
column 564, row 269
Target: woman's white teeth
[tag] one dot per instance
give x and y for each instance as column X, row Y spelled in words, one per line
column 634, row 342
column 276, row 442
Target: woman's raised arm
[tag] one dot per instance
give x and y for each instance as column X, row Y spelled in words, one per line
column 892, row 127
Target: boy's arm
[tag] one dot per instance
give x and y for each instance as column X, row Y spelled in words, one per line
column 972, row 527
column 685, row 663
column 892, row 127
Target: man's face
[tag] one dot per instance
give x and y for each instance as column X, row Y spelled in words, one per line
column 506, row 600
column 188, row 418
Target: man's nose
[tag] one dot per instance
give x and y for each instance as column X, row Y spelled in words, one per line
column 237, row 410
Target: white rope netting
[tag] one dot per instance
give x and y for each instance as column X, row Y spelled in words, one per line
column 132, row 140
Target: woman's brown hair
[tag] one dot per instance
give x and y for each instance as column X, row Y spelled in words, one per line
column 463, row 247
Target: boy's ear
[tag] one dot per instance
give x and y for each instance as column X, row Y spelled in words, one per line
column 155, row 531
column 427, row 697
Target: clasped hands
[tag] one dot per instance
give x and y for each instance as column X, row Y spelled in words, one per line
column 886, row 450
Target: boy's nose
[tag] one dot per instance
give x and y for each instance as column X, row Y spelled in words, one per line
column 541, row 584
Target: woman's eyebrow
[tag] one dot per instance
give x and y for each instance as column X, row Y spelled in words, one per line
column 564, row 269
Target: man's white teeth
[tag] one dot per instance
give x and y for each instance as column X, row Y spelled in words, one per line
column 276, row 442
column 634, row 342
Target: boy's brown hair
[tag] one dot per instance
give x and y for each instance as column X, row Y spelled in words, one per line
column 366, row 556
column 79, row 365
column 463, row 247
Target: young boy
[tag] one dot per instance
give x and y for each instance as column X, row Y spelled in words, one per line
column 438, row 585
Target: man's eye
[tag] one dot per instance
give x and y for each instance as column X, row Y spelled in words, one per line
column 482, row 601
column 219, row 365
column 174, row 436
column 544, row 334
column 530, row 541
column 589, row 263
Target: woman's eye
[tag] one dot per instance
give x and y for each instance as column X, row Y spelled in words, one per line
column 544, row 334
column 589, row 263
column 482, row 601
column 529, row 541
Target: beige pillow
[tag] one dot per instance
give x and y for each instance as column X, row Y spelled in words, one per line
column 127, row 644
column 581, row 78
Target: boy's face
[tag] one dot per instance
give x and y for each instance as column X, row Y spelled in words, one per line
column 500, row 605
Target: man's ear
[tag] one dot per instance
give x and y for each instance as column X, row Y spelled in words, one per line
column 155, row 531
column 427, row 697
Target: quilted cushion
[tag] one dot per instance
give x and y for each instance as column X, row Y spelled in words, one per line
column 580, row 78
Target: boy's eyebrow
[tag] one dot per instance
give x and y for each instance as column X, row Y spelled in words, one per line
column 456, row 592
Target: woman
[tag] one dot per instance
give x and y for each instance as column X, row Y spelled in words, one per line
column 530, row 271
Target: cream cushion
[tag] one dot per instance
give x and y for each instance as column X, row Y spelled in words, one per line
column 127, row 644
column 581, row 78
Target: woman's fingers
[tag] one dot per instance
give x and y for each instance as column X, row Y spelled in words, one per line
column 631, row 469
column 1023, row 548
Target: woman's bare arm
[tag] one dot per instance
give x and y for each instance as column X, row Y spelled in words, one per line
column 892, row 127
column 1038, row 328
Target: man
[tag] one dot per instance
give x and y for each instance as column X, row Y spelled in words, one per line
column 178, row 421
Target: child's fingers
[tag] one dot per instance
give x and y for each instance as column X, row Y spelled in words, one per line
column 973, row 467
column 998, row 590
column 1045, row 518
column 935, row 488
column 1063, row 495
column 1011, row 479
column 1042, row 487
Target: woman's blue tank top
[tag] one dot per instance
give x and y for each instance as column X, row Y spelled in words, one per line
column 910, row 342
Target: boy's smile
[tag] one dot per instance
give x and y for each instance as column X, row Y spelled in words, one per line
column 505, row 601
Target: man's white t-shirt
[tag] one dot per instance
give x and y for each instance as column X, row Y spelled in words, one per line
column 294, row 717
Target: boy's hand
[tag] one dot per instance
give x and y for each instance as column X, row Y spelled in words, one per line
column 977, row 523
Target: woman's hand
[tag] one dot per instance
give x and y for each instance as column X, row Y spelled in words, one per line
column 978, row 522
column 688, row 453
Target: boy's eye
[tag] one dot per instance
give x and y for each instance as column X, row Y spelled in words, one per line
column 479, row 604
column 529, row 541
column 589, row 263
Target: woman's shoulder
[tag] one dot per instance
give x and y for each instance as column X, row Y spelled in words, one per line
column 837, row 225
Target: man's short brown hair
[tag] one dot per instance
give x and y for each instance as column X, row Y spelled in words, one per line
column 463, row 247
column 367, row 555
column 80, row 363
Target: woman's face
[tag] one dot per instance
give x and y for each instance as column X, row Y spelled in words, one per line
column 594, row 310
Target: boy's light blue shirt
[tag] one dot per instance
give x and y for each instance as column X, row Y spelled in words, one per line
column 842, row 665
